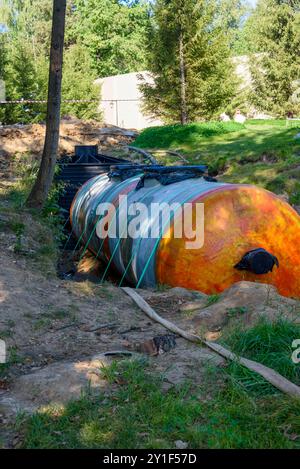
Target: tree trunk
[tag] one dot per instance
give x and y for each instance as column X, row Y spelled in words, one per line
column 183, row 104
column 40, row 190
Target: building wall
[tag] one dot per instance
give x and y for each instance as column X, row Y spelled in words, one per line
column 121, row 101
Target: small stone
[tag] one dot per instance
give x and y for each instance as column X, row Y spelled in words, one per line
column 167, row 386
column 193, row 306
column 179, row 444
column 181, row 292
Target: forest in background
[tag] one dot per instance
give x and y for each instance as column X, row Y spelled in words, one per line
column 186, row 45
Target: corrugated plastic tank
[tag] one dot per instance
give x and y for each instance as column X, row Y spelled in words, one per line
column 249, row 233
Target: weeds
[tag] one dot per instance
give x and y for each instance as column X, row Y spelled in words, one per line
column 234, row 312
column 212, row 299
column 5, row 334
column 41, row 323
column 42, row 231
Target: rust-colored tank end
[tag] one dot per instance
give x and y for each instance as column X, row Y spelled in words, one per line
column 258, row 261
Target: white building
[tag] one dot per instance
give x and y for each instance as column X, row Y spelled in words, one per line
column 121, row 101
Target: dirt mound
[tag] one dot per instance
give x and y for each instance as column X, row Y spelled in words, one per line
column 18, row 139
column 246, row 301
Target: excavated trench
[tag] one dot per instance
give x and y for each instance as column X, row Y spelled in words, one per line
column 75, row 262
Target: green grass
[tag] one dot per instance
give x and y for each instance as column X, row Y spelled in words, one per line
column 269, row 343
column 236, row 311
column 227, row 411
column 212, row 299
column 260, row 152
column 191, row 134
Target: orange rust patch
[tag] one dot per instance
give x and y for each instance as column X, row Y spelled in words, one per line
column 238, row 218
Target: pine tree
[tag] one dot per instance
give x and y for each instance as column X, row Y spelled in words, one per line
column 3, row 66
column 78, row 79
column 3, row 57
column 231, row 16
column 23, row 77
column 4, row 13
column 22, row 83
column 189, row 60
column 27, row 44
column 276, row 67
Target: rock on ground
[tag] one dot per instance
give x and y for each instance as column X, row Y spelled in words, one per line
column 250, row 301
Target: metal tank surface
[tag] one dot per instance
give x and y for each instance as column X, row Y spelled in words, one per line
column 249, row 233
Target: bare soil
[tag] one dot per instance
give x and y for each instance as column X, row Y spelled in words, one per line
column 29, row 139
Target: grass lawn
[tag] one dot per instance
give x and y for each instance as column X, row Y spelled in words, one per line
column 259, row 152
column 234, row 408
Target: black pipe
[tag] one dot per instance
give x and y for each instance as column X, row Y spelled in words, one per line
column 258, row 261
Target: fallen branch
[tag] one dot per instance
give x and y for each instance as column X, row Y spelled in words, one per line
column 268, row 374
column 109, row 325
column 144, row 153
column 171, row 152
column 66, row 326
column 117, row 352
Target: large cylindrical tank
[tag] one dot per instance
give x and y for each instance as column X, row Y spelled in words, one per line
column 240, row 222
